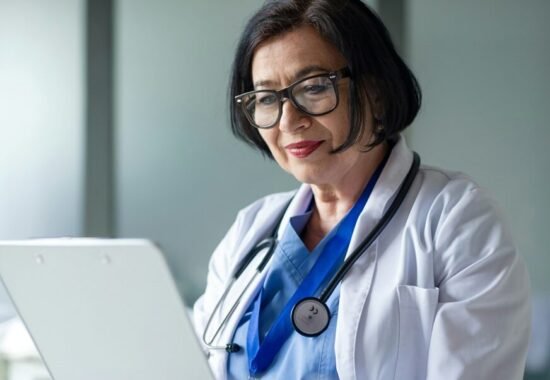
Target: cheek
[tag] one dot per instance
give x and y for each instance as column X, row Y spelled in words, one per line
column 339, row 126
column 340, row 118
column 270, row 138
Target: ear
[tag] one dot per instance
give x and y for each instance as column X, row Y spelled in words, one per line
column 377, row 106
column 375, row 101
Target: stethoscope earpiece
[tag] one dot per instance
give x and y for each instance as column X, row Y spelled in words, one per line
column 310, row 317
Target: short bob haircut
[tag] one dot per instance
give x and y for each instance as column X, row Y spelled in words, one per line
column 357, row 32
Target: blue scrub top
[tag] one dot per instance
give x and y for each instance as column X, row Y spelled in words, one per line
column 300, row 357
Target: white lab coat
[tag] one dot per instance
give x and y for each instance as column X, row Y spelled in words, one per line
column 441, row 294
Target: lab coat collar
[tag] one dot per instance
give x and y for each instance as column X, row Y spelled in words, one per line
column 395, row 171
column 298, row 205
column 357, row 283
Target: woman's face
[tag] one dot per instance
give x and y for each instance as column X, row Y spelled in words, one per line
column 301, row 144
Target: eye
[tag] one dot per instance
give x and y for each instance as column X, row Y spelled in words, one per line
column 315, row 89
column 266, row 99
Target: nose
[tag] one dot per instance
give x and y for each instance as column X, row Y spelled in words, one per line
column 292, row 119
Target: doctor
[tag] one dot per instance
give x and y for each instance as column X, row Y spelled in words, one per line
column 440, row 293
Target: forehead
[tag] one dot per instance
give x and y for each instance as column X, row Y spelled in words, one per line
column 279, row 61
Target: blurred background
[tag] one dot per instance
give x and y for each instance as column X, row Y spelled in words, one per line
column 114, row 122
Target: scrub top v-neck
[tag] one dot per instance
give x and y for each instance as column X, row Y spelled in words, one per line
column 300, row 357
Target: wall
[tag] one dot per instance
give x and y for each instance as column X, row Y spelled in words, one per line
column 181, row 176
column 41, row 119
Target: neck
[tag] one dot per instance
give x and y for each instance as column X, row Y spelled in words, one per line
column 333, row 201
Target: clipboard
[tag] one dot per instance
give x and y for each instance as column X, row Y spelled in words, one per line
column 102, row 309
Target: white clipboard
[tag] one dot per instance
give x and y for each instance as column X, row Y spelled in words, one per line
column 102, row 309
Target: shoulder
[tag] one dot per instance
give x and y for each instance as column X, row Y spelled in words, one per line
column 263, row 209
column 464, row 225
column 447, row 194
column 440, row 181
column 252, row 224
column 249, row 226
column 267, row 203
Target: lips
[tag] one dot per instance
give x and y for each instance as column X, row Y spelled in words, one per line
column 303, row 148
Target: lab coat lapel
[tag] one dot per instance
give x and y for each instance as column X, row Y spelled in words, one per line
column 357, row 283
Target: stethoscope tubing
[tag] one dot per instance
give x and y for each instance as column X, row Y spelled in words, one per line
column 271, row 243
column 357, row 252
column 208, row 342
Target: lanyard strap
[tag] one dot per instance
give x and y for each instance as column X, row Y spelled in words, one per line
column 261, row 355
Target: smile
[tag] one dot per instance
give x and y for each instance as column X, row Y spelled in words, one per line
column 303, row 149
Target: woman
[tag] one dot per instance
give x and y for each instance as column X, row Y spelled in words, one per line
column 440, row 293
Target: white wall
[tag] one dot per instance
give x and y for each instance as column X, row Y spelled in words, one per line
column 41, row 118
column 484, row 67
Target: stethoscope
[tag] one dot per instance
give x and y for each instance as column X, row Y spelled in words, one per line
column 311, row 315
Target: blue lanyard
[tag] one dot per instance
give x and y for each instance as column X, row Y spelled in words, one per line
column 260, row 356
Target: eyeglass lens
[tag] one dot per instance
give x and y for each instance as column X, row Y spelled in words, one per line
column 314, row 96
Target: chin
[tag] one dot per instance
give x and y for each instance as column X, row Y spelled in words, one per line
column 310, row 172
column 311, row 177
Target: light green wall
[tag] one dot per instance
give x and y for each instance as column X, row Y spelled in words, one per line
column 484, row 67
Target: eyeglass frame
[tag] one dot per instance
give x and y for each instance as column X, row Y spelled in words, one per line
column 286, row 94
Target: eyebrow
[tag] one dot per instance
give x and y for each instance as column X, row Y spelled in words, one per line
column 298, row 75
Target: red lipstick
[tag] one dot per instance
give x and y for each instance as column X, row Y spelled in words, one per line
column 304, row 148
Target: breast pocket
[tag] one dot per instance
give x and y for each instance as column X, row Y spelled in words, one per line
column 417, row 308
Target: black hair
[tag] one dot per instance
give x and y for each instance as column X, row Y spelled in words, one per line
column 377, row 71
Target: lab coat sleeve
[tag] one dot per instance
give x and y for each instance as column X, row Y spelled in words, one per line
column 219, row 271
column 481, row 326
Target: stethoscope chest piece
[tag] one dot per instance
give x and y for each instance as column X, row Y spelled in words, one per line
column 310, row 316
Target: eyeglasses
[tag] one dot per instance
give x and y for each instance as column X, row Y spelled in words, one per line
column 315, row 95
